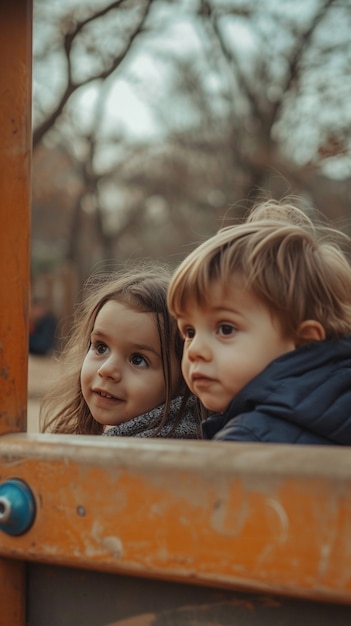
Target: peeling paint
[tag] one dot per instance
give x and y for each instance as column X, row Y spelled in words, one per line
column 325, row 551
column 220, row 523
column 113, row 545
column 278, row 532
column 278, row 508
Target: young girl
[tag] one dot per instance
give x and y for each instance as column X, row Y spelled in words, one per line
column 120, row 370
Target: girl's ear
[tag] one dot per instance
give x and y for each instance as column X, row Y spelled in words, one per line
column 309, row 331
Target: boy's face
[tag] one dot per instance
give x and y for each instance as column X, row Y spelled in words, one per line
column 227, row 343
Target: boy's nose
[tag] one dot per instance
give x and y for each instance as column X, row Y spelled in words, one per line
column 199, row 349
column 110, row 369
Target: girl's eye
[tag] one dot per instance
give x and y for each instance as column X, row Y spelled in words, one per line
column 99, row 347
column 139, row 360
column 226, row 330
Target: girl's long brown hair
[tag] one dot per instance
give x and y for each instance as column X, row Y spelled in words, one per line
column 142, row 287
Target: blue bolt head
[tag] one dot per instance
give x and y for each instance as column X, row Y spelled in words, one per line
column 17, row 507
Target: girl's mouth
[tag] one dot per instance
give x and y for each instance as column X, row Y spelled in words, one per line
column 104, row 394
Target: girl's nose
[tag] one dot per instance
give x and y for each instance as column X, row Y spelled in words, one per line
column 199, row 348
column 110, row 369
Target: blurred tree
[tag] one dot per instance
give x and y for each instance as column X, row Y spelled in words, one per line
column 84, row 44
column 246, row 97
column 288, row 85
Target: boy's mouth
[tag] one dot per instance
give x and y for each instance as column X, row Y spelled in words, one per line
column 197, row 377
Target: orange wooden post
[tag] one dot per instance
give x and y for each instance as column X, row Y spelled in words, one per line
column 15, row 160
column 12, row 593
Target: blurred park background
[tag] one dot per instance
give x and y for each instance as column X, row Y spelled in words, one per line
column 156, row 122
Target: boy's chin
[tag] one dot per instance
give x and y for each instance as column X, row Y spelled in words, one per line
column 214, row 407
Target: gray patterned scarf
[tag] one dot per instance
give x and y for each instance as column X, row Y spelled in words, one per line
column 147, row 424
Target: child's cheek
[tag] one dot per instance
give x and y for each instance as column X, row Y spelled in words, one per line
column 185, row 368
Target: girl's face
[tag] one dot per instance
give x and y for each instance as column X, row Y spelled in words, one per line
column 122, row 375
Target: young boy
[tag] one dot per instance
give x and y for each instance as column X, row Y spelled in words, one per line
column 265, row 311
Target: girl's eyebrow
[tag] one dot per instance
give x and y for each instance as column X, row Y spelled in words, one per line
column 146, row 348
column 97, row 333
column 142, row 347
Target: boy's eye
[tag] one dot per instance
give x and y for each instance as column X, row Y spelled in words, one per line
column 188, row 332
column 139, row 360
column 225, row 330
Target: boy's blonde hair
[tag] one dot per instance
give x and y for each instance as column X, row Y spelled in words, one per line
column 296, row 267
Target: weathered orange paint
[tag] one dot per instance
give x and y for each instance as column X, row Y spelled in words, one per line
column 12, row 594
column 248, row 516
column 15, row 156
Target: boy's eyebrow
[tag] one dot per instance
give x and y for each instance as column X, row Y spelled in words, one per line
column 227, row 309
column 230, row 308
column 214, row 310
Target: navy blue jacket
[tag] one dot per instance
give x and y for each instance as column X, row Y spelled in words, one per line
column 303, row 396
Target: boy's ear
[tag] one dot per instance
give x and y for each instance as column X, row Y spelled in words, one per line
column 309, row 331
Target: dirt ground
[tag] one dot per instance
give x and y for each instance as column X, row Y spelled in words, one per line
column 41, row 372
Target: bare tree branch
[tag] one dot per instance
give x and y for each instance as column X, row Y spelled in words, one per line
column 302, row 44
column 73, row 86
